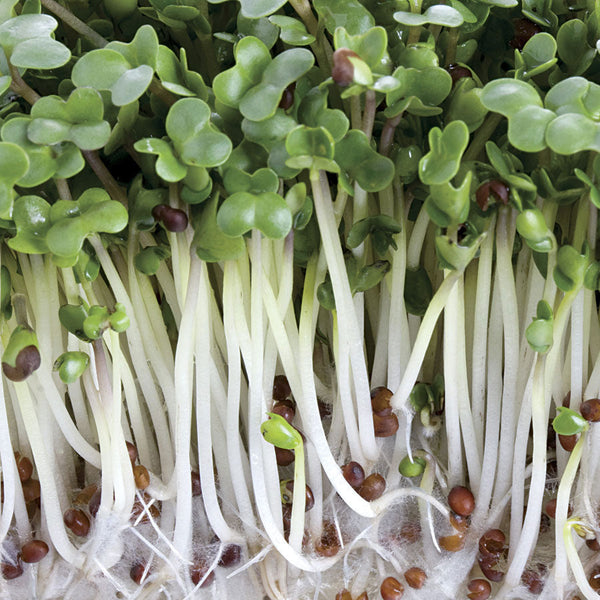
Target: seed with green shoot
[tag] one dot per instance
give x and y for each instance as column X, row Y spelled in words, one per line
column 569, row 422
column 412, row 468
column 21, row 356
column 71, row 366
column 280, row 433
column 343, row 70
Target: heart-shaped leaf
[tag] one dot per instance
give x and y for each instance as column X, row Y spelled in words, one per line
column 267, row 211
column 311, row 148
column 78, row 120
column 349, row 14
column 292, row 31
column 31, row 215
column 13, row 166
column 211, row 244
column 442, row 161
column 571, row 133
column 28, row 43
column 360, row 162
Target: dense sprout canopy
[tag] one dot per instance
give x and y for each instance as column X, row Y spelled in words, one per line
column 299, row 299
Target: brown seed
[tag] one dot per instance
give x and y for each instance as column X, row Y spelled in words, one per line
column 198, row 572
column 324, row 409
column 410, row 532
column 281, row 388
column 329, row 544
column 593, row 545
column 24, row 467
column 132, row 451
column 568, row 441
column 143, row 509
column 372, row 487
column 141, row 477
column 363, row 596
column 343, row 70
column 551, row 508
column 590, row 410
column 343, row 595
column 309, row 497
column 524, row 31
column 76, row 520
column 284, row 457
column 11, row 571
column 85, row 495
column 594, row 578
column 461, row 501
column 533, row 581
column 31, row 490
column 33, row 551
column 138, row 573
column 287, row 98
column 452, row 543
column 492, row 542
column 487, row 565
column 173, row 219
column 479, row 589
column 496, row 188
column 457, row 72
column 381, row 401
column 385, row 426
column 354, row 474
column 391, row 589
column 284, row 410
column 94, row 503
column 196, row 485
column 459, row 523
column 28, row 360
column 415, row 577
column 231, row 555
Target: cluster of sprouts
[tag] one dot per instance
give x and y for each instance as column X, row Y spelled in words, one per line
column 299, row 300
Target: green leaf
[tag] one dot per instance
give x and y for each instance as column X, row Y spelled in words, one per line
column 266, row 211
column 313, row 111
column 252, row 58
column 210, row 243
column 280, row 433
column 418, row 291
column 168, row 167
column 371, row 47
column 449, row 206
column 14, row 163
column 569, row 422
column 360, row 162
column 570, row 268
column 532, row 227
column 571, row 133
column 107, row 69
column 382, row 230
column 175, row 75
column 292, row 31
column 509, row 96
column 438, row 14
column 311, row 148
column 198, row 142
column 349, row 14
column 27, row 42
column 442, row 161
column 527, row 128
column 254, row 9
column 142, row 50
column 78, row 119
column 71, row 366
column 573, row 47
column 540, row 332
column 31, row 215
column 262, row 100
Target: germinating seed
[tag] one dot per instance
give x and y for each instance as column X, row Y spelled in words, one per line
column 479, row 589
